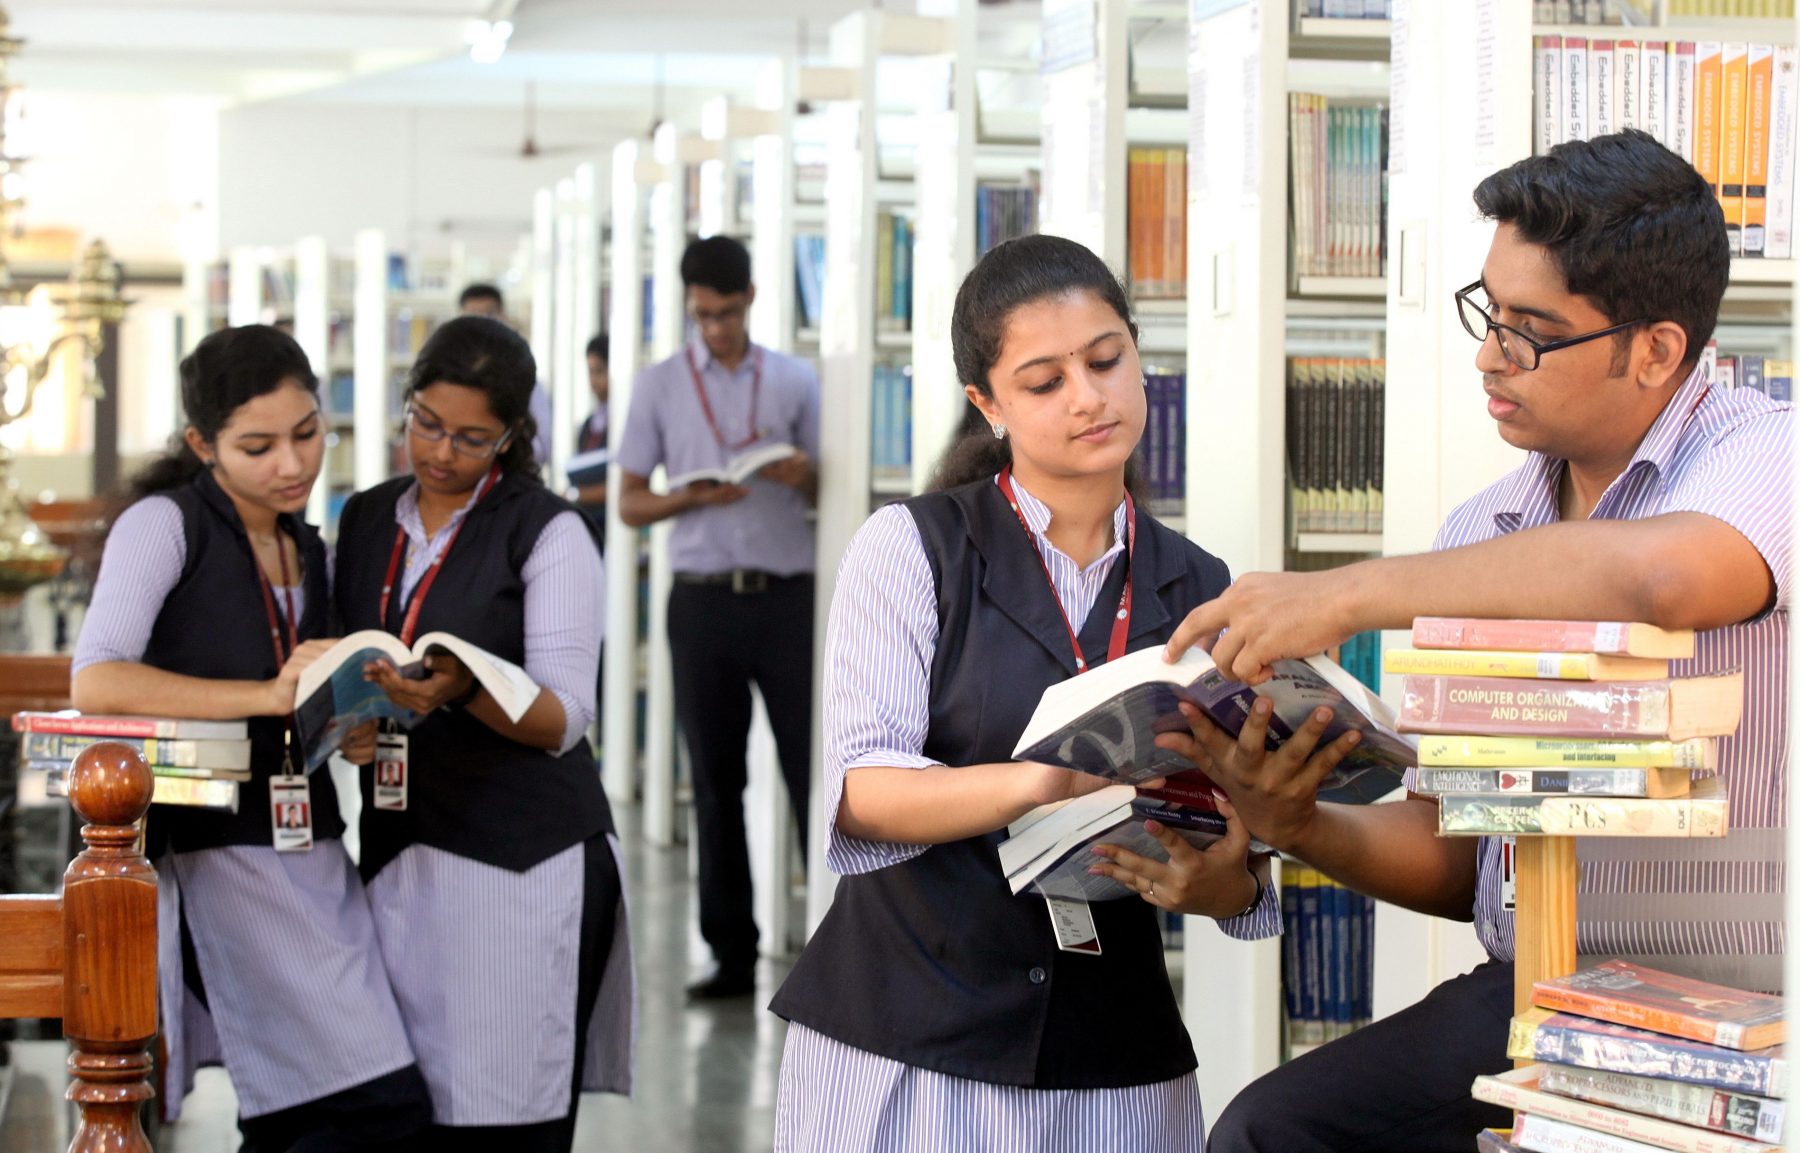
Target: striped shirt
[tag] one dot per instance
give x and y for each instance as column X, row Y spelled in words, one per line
column 1708, row 908
column 565, row 610
column 767, row 530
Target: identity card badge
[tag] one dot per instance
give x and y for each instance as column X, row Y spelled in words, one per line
column 290, row 812
column 1074, row 925
column 390, row 770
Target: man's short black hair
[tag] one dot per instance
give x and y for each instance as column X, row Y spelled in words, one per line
column 716, row 262
column 601, row 347
column 1631, row 226
column 481, row 292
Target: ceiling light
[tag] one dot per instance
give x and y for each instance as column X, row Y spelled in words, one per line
column 487, row 39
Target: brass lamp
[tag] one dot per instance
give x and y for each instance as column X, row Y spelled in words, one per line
column 82, row 309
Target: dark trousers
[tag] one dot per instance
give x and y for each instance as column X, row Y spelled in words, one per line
column 720, row 642
column 599, row 921
column 1400, row 1085
column 389, row 1113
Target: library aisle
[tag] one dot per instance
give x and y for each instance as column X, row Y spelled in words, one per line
column 705, row 1075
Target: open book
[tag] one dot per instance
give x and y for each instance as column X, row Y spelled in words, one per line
column 738, row 469
column 1048, row 849
column 333, row 697
column 1105, row 721
column 585, row 468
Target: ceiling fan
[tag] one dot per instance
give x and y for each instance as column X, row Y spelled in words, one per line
column 528, row 147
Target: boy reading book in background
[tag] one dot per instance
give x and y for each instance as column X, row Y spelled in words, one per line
column 492, row 868
column 212, row 598
column 1645, row 496
column 933, row 1009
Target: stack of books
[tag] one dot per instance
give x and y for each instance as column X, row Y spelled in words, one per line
column 1335, row 416
column 1156, row 222
column 196, row 763
column 1767, row 375
column 1637, row 1061
column 890, row 422
column 1564, row 728
column 1004, row 212
column 1163, row 449
column 1327, row 964
column 1338, row 156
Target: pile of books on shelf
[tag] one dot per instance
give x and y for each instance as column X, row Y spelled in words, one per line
column 1638, row 1061
column 1722, row 106
column 1004, row 212
column 890, row 417
column 1328, row 950
column 198, row 763
column 1156, row 222
column 1773, row 378
column 893, row 272
column 1345, row 9
column 1360, row 656
column 809, row 277
column 1564, row 728
column 1163, row 451
column 1338, row 157
column 1335, row 411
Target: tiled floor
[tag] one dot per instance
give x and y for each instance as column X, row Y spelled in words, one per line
column 705, row 1076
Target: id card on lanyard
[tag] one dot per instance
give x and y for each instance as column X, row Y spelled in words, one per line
column 290, row 794
column 1071, row 920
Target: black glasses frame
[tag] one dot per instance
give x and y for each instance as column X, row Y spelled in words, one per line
column 1503, row 331
column 459, row 442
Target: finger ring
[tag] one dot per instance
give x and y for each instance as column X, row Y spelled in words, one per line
column 1152, row 891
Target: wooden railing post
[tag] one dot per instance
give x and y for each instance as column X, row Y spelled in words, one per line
column 109, row 952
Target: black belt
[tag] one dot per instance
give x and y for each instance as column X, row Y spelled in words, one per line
column 741, row 580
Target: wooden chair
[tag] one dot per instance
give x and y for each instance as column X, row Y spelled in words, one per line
column 89, row 956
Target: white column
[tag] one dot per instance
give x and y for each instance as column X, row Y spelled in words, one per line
column 312, row 329
column 370, row 335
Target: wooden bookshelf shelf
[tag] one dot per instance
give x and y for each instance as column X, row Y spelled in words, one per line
column 1754, row 270
column 1337, row 542
column 894, row 340
column 1337, row 39
column 1750, row 29
column 891, row 485
column 1351, row 287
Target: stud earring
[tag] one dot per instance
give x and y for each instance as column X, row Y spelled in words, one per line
column 999, row 432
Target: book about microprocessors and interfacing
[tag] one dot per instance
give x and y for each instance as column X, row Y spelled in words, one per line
column 1721, row 1110
column 332, row 697
column 1521, row 1090
column 1659, row 784
column 1607, row 638
column 1536, row 1133
column 1703, row 813
column 1626, row 993
column 1049, row 849
column 1106, row 720
column 1568, row 1039
column 1700, row 754
column 1675, row 710
column 185, row 754
column 74, row 723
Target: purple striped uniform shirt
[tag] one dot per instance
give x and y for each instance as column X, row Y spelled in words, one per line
column 1708, row 908
column 767, row 530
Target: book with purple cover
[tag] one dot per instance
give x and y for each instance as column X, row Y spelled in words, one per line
column 1540, row 1035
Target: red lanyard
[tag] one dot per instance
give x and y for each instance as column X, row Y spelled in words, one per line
column 1121, row 626
column 411, row 625
column 293, row 637
column 706, row 405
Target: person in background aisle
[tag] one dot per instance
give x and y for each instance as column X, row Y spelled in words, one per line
column 933, row 1009
column 741, row 610
column 486, row 300
column 211, row 599
column 1646, row 495
column 592, row 435
column 496, row 882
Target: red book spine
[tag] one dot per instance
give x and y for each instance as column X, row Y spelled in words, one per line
column 84, row 726
column 1499, row 706
column 1515, row 635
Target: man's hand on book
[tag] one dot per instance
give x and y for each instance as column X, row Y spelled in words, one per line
column 358, row 747
column 1212, row 882
column 794, row 471
column 703, row 493
column 447, row 679
column 1266, row 617
column 282, row 689
column 1276, row 792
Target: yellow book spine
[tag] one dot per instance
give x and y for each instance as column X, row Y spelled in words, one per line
column 1551, row 752
column 1756, row 148
column 1708, row 83
column 1536, row 666
column 1733, row 112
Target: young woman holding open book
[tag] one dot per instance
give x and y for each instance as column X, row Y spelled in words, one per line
column 487, row 844
column 933, row 1009
column 211, row 597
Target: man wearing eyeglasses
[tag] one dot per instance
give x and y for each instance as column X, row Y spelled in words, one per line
column 1646, row 495
column 741, row 609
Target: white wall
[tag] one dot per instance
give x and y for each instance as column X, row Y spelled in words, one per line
column 331, row 169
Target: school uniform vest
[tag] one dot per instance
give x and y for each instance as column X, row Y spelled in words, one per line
column 934, row 962
column 470, row 791
column 215, row 624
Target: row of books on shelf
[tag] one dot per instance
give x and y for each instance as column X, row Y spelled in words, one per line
column 1728, row 108
column 1163, row 450
column 809, row 277
column 1360, row 656
column 1635, row 1060
column 1642, row 12
column 1004, row 212
column 890, row 432
column 1336, row 407
column 1773, row 378
column 1156, row 222
column 1345, row 9
column 893, row 272
column 1338, row 159
column 1328, row 953
column 195, row 763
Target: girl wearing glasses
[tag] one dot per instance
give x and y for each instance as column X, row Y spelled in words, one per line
column 487, row 844
column 211, row 599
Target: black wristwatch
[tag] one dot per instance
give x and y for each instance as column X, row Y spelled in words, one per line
column 1254, row 901
column 457, row 704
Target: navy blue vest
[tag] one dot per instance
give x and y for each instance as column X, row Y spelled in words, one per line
column 214, row 624
column 472, row 791
column 934, row 962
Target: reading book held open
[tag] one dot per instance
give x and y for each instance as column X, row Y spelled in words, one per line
column 1105, row 721
column 333, row 697
column 738, row 469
